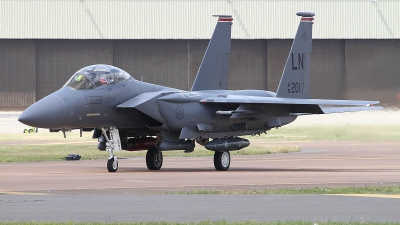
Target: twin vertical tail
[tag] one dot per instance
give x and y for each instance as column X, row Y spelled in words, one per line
column 295, row 80
column 214, row 69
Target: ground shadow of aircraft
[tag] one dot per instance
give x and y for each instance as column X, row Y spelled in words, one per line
column 127, row 114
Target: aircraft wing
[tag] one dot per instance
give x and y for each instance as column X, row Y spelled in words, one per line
column 241, row 99
column 330, row 110
column 297, row 106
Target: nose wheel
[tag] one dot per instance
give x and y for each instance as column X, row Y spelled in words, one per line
column 112, row 164
column 113, row 144
column 222, row 160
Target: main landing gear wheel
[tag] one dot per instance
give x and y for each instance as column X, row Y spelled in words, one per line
column 222, row 160
column 154, row 159
column 112, row 164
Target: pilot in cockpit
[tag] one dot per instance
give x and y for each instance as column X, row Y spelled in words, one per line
column 107, row 78
column 80, row 81
column 97, row 75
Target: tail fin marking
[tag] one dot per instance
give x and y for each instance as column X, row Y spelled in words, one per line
column 295, row 80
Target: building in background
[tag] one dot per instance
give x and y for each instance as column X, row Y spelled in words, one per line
column 356, row 51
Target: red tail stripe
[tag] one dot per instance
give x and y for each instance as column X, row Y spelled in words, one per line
column 225, row 19
column 307, row 19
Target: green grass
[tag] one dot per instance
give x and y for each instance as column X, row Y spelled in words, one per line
column 34, row 153
column 47, row 136
column 53, row 146
column 223, row 222
column 286, row 133
column 386, row 190
column 332, row 133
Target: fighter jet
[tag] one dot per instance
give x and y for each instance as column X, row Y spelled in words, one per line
column 127, row 114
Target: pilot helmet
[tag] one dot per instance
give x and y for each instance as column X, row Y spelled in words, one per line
column 78, row 77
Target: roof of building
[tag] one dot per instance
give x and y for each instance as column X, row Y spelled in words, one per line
column 192, row 19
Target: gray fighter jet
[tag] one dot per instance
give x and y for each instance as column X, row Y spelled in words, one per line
column 127, row 114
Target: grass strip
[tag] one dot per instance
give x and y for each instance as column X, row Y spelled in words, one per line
column 47, row 136
column 347, row 132
column 88, row 150
column 332, row 133
column 385, row 190
column 223, row 222
column 35, row 153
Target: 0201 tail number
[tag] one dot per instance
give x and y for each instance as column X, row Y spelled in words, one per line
column 295, row 87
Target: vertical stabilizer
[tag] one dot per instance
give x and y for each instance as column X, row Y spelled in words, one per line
column 214, row 69
column 295, row 81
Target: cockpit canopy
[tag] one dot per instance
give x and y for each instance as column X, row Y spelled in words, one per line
column 97, row 75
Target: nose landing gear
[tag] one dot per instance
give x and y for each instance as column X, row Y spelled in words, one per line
column 112, row 164
column 113, row 144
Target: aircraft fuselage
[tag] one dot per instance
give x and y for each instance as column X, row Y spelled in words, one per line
column 96, row 108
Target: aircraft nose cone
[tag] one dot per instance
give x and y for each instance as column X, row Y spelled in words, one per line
column 49, row 112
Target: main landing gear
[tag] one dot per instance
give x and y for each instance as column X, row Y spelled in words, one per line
column 154, row 159
column 113, row 144
column 154, row 156
column 222, row 160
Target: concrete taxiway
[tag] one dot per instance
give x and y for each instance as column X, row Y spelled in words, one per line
column 318, row 164
column 193, row 208
column 85, row 191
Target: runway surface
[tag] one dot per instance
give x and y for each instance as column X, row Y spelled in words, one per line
column 319, row 164
column 85, row 191
column 193, row 208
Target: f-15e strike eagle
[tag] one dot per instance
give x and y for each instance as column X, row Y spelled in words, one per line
column 127, row 114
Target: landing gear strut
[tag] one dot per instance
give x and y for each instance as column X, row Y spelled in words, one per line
column 222, row 160
column 154, row 159
column 113, row 144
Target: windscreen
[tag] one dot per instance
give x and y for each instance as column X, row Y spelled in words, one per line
column 97, row 75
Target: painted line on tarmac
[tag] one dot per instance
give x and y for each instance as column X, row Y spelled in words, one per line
column 369, row 195
column 20, row 193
